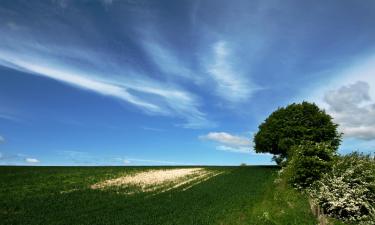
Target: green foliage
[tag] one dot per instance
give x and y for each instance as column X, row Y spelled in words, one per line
column 291, row 126
column 283, row 205
column 348, row 191
column 61, row 195
column 309, row 162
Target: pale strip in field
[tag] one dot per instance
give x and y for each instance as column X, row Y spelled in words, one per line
column 191, row 180
column 162, row 180
column 211, row 175
column 69, row 191
column 148, row 178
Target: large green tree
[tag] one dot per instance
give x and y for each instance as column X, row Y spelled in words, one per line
column 293, row 125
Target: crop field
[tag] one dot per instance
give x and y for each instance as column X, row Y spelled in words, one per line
column 148, row 195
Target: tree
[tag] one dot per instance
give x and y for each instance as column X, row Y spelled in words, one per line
column 293, row 125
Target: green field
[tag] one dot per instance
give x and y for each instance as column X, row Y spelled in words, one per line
column 62, row 195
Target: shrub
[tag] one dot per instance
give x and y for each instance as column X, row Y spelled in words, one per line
column 348, row 191
column 308, row 162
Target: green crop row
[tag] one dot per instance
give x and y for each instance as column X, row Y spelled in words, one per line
column 61, row 195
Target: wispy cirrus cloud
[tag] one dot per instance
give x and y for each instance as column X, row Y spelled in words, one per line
column 231, row 84
column 168, row 62
column 151, row 96
column 8, row 117
column 229, row 142
column 76, row 79
column 79, row 64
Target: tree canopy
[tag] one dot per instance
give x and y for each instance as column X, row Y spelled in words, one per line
column 293, row 125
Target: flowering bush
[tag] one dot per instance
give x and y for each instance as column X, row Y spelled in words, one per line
column 347, row 192
column 308, row 162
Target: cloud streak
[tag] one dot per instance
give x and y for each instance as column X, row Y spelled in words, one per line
column 230, row 83
column 77, row 80
column 8, row 117
column 169, row 63
column 238, row 149
column 32, row 160
column 153, row 97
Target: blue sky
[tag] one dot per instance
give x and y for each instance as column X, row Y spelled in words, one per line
column 176, row 82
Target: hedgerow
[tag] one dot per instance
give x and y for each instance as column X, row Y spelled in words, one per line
column 347, row 192
column 308, row 162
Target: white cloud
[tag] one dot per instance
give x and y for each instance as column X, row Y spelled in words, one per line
column 363, row 132
column 349, row 97
column 229, row 142
column 230, row 83
column 31, row 160
column 352, row 108
column 125, row 161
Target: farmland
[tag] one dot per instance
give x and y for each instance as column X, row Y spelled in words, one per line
column 109, row 195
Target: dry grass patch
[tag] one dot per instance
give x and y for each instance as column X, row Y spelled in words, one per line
column 158, row 180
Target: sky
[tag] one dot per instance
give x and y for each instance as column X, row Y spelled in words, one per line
column 145, row 82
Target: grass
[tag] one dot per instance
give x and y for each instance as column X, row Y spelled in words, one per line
column 61, row 195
